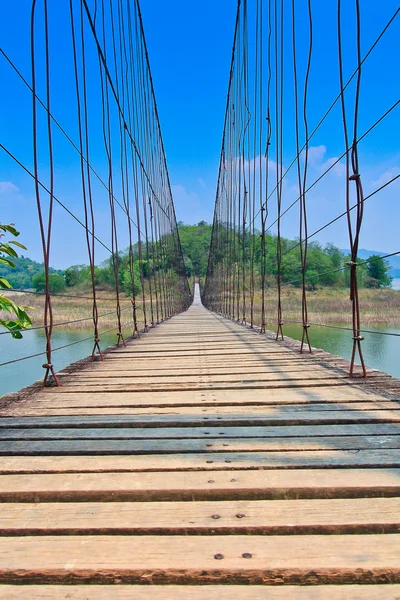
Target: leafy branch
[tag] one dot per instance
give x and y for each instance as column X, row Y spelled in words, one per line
column 21, row 319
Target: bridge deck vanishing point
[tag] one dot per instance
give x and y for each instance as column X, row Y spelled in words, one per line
column 202, row 454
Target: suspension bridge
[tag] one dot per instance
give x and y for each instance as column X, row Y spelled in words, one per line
column 205, row 453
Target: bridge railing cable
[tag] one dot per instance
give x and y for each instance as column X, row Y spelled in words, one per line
column 273, row 97
column 99, row 168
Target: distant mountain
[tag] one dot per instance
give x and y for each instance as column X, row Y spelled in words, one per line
column 394, row 261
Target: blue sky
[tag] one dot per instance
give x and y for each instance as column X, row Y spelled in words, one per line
column 189, row 46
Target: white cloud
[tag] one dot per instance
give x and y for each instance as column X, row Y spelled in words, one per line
column 316, row 155
column 385, row 177
column 202, row 182
column 8, row 186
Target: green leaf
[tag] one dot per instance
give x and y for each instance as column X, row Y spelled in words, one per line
column 23, row 317
column 13, row 327
column 5, row 284
column 11, row 229
column 8, row 250
column 5, row 304
column 19, row 245
column 16, row 335
column 6, row 261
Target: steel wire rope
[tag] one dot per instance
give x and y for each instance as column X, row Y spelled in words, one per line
column 331, row 166
column 163, row 156
column 124, row 158
column 329, row 110
column 62, row 347
column 59, row 126
column 111, row 85
column 343, row 214
column 208, row 294
column 354, row 231
column 339, row 269
column 46, row 189
column 340, row 327
column 44, row 234
column 89, row 237
column 55, row 295
column 264, row 206
column 35, row 328
column 279, row 88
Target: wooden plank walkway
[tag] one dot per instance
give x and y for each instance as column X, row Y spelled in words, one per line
column 200, row 458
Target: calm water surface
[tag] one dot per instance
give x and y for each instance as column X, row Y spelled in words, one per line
column 20, row 374
column 380, row 351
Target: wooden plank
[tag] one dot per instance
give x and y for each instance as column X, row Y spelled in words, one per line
column 293, row 415
column 195, row 462
column 256, row 517
column 200, row 419
column 133, row 353
column 189, row 376
column 306, row 394
column 269, row 381
column 263, row 485
column 191, row 559
column 162, row 446
column 212, row 397
column 205, row 431
column 205, row 592
column 208, row 409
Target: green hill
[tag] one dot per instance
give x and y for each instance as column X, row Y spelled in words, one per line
column 21, row 276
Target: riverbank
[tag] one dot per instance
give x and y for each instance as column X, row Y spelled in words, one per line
column 325, row 306
column 330, row 305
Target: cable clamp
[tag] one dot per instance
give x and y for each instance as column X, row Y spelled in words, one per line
column 358, row 338
column 351, row 263
column 47, row 366
column 354, row 177
column 306, row 325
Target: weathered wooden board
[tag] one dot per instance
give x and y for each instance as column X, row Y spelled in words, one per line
column 237, row 402
column 189, row 417
column 207, row 409
column 197, row 485
column 387, row 459
column 204, row 432
column 256, row 517
column 191, row 559
column 188, row 376
column 181, row 446
column 202, row 453
column 205, row 592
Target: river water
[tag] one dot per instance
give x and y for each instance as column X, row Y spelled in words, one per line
column 380, row 351
column 15, row 376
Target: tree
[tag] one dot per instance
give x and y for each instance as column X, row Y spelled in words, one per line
column 22, row 320
column 76, row 274
column 56, row 283
column 195, row 242
column 127, row 280
column 378, row 272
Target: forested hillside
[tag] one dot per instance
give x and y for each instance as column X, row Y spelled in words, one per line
column 324, row 264
column 22, row 275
